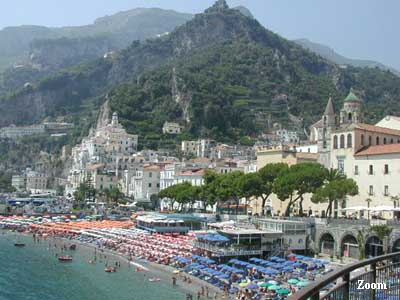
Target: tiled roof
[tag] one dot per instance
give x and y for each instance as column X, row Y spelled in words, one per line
column 378, row 129
column 152, row 168
column 199, row 172
column 306, row 155
column 380, row 149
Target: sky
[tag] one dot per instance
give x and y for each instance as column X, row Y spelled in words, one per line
column 363, row 29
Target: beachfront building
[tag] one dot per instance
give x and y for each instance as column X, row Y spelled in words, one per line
column 171, row 223
column 239, row 243
column 294, row 236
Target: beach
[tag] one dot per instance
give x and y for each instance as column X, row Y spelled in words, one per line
column 85, row 252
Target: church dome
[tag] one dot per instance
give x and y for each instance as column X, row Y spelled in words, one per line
column 351, row 97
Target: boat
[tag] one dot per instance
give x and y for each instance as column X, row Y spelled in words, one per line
column 154, row 279
column 19, row 244
column 65, row 258
column 109, row 270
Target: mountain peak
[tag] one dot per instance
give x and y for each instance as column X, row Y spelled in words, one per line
column 219, row 5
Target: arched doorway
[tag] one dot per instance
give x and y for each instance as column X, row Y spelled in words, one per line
column 327, row 244
column 350, row 247
column 373, row 247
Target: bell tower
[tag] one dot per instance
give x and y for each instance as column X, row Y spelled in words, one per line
column 352, row 111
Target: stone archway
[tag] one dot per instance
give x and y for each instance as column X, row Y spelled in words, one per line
column 373, row 246
column 349, row 246
column 327, row 243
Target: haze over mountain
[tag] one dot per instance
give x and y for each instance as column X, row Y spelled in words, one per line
column 330, row 54
column 116, row 32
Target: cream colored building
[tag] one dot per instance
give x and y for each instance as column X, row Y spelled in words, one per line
column 283, row 154
column 171, row 128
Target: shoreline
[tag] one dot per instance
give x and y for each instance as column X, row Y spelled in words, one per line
column 152, row 270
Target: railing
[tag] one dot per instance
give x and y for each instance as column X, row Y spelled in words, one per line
column 229, row 250
column 379, row 279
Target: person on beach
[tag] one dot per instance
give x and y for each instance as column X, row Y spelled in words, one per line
column 173, row 280
column 215, row 296
column 202, row 291
column 198, row 295
column 207, row 292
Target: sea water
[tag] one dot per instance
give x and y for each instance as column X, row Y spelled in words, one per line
column 33, row 272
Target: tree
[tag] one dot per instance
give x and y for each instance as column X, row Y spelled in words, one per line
column 182, row 193
column 382, row 232
column 334, row 190
column 228, row 188
column 114, row 195
column 84, row 191
column 297, row 181
column 268, row 174
column 250, row 185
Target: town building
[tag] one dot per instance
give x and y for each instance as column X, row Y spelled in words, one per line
column 13, row 132
column 19, row 182
column 199, row 148
column 36, row 182
column 145, row 183
column 172, row 128
column 283, row 154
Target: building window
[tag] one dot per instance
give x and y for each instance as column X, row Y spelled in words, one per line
column 149, row 185
column 370, row 140
column 371, row 190
column 323, row 145
column 391, row 141
column 335, row 142
column 362, row 140
column 341, row 166
column 377, row 140
column 150, row 174
column 371, row 170
column 349, row 141
column 386, row 171
column 386, row 190
column 384, row 141
column 342, row 141
column 355, row 170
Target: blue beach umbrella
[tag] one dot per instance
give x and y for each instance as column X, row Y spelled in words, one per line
column 252, row 286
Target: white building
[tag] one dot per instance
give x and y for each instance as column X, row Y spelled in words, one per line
column 392, row 122
column 13, row 132
column 145, row 183
column 172, row 128
column 193, row 176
